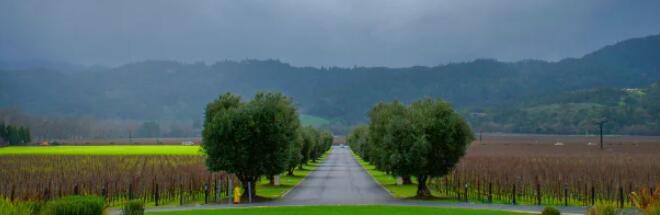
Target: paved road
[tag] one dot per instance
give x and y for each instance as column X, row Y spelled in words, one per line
column 338, row 180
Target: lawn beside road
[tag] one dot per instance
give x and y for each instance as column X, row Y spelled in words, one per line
column 338, row 209
column 389, row 182
column 264, row 189
column 102, row 150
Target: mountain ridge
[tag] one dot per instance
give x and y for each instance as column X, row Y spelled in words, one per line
column 153, row 90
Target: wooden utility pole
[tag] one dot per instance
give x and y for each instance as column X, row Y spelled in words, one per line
column 600, row 125
column 480, row 136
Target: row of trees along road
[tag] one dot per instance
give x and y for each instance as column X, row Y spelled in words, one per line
column 261, row 137
column 425, row 139
column 14, row 135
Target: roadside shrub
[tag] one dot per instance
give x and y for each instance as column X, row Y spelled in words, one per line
column 652, row 210
column 75, row 205
column 35, row 207
column 9, row 208
column 133, row 207
column 647, row 201
column 603, row 209
column 550, row 211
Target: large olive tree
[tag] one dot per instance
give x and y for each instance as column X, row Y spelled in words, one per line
column 249, row 139
column 425, row 139
column 379, row 118
column 443, row 138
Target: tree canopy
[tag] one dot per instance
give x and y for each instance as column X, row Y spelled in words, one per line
column 249, row 139
column 425, row 139
column 14, row 135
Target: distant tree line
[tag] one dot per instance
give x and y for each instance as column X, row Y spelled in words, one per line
column 257, row 138
column 70, row 127
column 424, row 139
column 14, row 135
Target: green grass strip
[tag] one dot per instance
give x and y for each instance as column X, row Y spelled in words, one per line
column 389, row 182
column 264, row 189
column 338, row 209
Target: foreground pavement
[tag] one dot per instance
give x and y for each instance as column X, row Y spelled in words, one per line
column 340, row 180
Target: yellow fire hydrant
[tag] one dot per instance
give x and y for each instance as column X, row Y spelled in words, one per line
column 237, row 195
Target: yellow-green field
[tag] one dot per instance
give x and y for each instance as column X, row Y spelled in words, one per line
column 103, row 150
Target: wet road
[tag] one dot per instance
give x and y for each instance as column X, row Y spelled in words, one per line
column 338, row 180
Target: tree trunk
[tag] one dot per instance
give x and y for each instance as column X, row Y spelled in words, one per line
column 271, row 179
column 290, row 172
column 253, row 190
column 422, row 190
column 406, row 179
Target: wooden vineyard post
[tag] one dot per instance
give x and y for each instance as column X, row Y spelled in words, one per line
column 593, row 195
column 46, row 194
column 191, row 190
column 206, row 193
column 538, row 193
column 130, row 191
column 50, row 190
column 479, row 190
column 621, row 196
column 180, row 193
column 115, row 187
column 565, row 195
column 13, row 193
column 490, row 192
column 513, row 194
column 76, row 191
column 585, row 198
column 156, row 194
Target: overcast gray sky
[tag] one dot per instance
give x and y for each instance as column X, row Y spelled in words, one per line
column 317, row 33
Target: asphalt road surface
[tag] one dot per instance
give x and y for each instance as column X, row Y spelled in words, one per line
column 338, row 180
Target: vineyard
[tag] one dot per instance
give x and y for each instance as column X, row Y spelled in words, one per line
column 541, row 171
column 536, row 169
column 545, row 170
column 156, row 179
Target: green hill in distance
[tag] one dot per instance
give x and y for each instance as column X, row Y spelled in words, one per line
column 508, row 93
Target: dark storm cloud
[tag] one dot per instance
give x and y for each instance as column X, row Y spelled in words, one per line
column 317, row 33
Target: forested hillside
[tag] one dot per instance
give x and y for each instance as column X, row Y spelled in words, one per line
column 627, row 111
column 504, row 95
